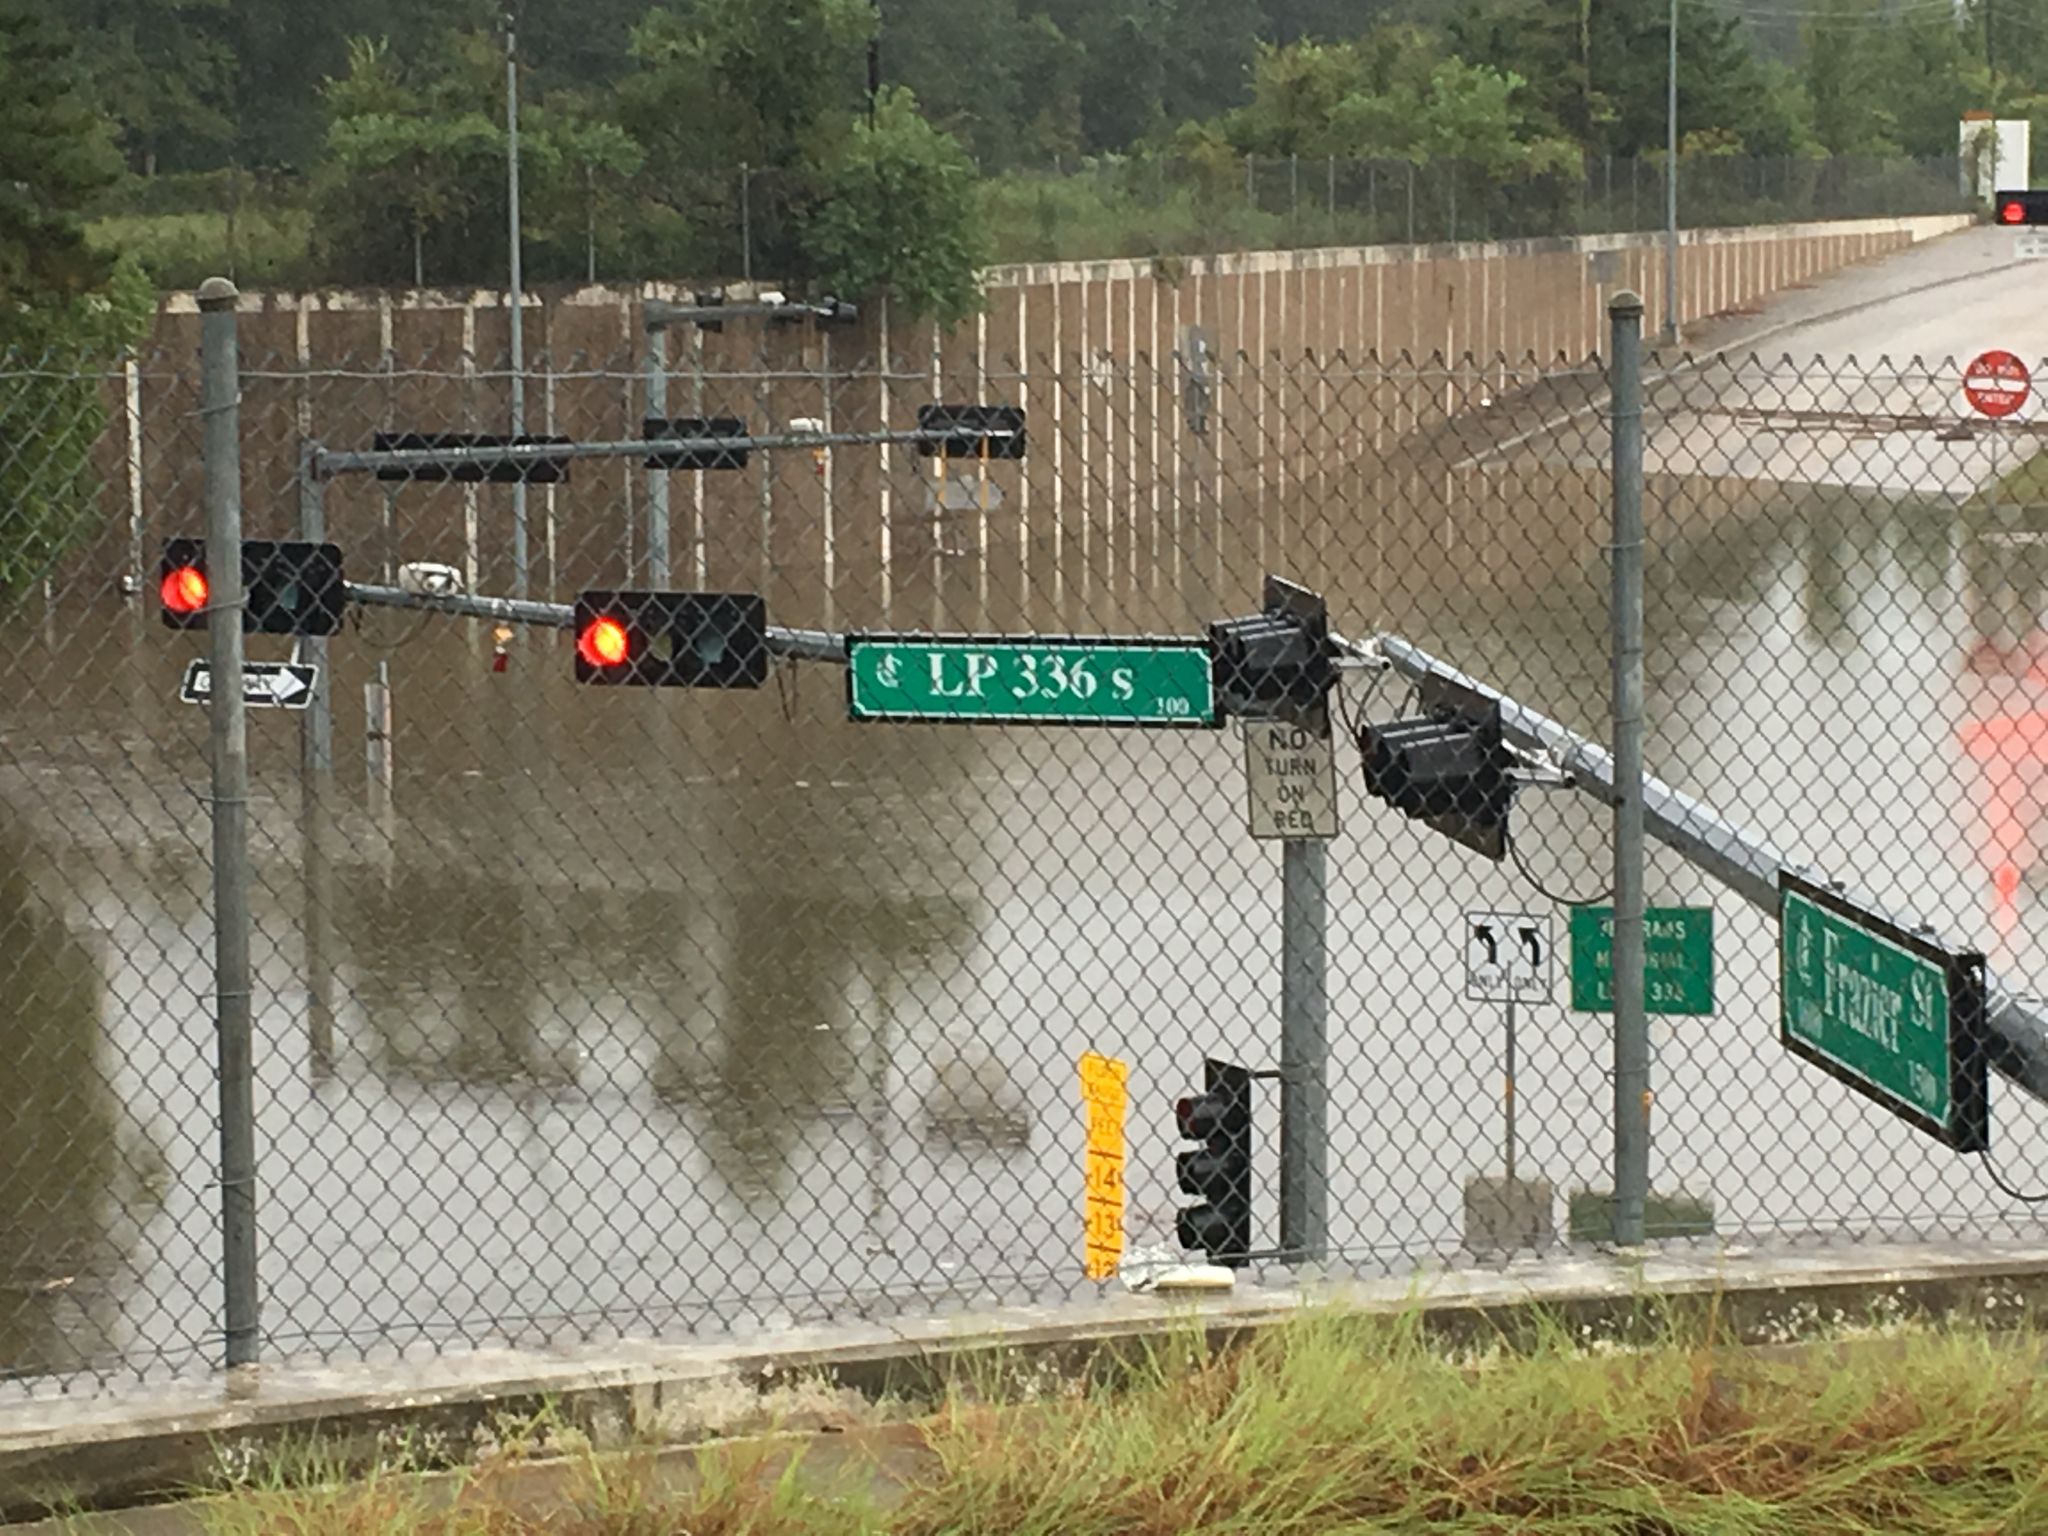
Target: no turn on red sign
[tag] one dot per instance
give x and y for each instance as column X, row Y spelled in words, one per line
column 1996, row 383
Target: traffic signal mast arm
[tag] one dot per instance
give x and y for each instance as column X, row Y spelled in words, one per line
column 2017, row 1032
column 792, row 644
column 326, row 463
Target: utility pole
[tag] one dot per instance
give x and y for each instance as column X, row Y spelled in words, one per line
column 1670, row 337
column 518, row 298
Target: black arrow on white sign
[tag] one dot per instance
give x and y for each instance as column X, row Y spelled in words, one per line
column 265, row 684
column 1533, row 939
column 1483, row 932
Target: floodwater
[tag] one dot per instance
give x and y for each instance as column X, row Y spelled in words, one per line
column 657, row 1011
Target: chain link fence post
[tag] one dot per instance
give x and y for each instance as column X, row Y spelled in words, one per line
column 220, row 405
column 1631, row 1022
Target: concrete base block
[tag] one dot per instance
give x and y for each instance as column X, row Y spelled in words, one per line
column 1591, row 1216
column 1504, row 1215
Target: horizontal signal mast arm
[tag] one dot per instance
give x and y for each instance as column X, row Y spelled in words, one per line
column 326, row 463
column 795, row 644
column 2018, row 1026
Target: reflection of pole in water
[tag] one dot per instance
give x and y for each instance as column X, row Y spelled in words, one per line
column 881, row 1034
column 63, row 1173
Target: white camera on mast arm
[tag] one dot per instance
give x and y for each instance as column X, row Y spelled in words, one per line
column 424, row 578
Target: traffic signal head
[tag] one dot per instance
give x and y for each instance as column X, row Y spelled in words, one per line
column 1274, row 665
column 288, row 587
column 672, row 639
column 703, row 433
column 2023, row 209
column 1219, row 1170
column 1448, row 768
column 970, row 431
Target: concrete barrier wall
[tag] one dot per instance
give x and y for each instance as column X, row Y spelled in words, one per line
column 1329, row 368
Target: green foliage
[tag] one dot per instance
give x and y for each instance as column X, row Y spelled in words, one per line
column 165, row 72
column 54, row 389
column 897, row 218
column 66, row 307
column 55, row 155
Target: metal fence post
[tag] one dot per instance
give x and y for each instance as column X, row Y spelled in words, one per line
column 316, row 776
column 220, row 405
column 1304, row 1051
column 1631, row 1023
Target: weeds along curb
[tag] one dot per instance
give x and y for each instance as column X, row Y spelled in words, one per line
column 743, row 1392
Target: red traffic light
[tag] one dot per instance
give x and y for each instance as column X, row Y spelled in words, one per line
column 604, row 643
column 184, row 590
column 2013, row 212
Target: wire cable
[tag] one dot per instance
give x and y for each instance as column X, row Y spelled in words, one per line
column 2005, row 1187
column 1521, row 864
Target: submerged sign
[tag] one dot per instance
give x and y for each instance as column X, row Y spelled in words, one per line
column 1890, row 1012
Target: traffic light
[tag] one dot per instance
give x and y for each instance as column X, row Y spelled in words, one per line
column 2021, row 208
column 289, row 588
column 1274, row 665
column 672, row 639
column 1219, row 1171
column 1448, row 768
column 695, row 429
column 970, row 431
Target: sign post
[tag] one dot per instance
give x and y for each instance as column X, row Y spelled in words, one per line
column 1508, row 959
column 1886, row 1010
column 1030, row 679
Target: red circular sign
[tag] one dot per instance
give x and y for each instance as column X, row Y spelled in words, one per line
column 1996, row 383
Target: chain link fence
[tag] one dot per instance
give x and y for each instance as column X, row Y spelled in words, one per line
column 582, row 1012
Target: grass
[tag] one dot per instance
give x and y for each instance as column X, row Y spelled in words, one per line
column 1342, row 1423
column 2026, row 486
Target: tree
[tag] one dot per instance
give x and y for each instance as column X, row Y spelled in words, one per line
column 898, row 218
column 164, row 71
column 769, row 85
column 66, row 309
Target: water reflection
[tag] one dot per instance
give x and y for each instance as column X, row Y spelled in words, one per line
column 73, row 1187
column 2004, row 730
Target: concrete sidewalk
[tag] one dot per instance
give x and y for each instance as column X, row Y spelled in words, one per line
column 117, row 1450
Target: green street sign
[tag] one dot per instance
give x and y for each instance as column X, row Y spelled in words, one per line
column 1891, row 1013
column 1028, row 679
column 1678, row 959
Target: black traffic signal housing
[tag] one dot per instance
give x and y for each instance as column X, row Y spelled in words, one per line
column 2020, row 209
column 702, row 432
column 1448, row 768
column 289, row 587
column 1275, row 664
column 672, row 639
column 476, row 468
column 1219, row 1170
column 970, row 431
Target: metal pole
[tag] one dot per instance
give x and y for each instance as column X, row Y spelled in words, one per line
column 1304, row 1052
column 1508, row 1093
column 519, row 551
column 657, row 479
column 746, row 223
column 1671, row 185
column 316, row 777
column 1631, row 1022
column 380, row 764
column 220, row 405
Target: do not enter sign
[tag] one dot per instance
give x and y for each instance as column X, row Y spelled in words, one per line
column 1996, row 383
